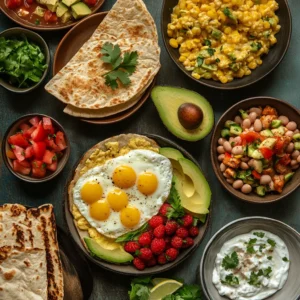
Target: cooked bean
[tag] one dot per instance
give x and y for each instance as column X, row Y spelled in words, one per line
column 246, row 188
column 237, row 184
column 238, row 120
column 222, row 167
column 289, row 133
column 221, row 141
column 244, row 166
column 231, row 139
column 255, row 164
column 296, row 131
column 291, row 126
column 250, row 162
column 221, row 157
column 284, row 120
column 246, row 123
column 237, row 140
column 295, row 154
column 294, row 162
column 256, row 110
column 251, row 128
column 245, row 158
column 226, row 175
column 298, row 159
column 265, row 179
column 290, row 148
column 227, row 147
column 295, row 167
column 257, row 125
column 252, row 116
column 221, row 150
column 271, row 186
column 230, row 180
column 237, row 150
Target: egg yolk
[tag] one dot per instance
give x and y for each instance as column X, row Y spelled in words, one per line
column 130, row 216
column 100, row 210
column 124, row 177
column 91, row 192
column 117, row 199
column 147, row 183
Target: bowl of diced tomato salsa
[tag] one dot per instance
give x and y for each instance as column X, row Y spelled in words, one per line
column 35, row 148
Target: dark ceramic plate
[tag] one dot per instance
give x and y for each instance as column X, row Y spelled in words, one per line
column 283, row 108
column 270, row 61
column 129, row 269
column 69, row 46
column 49, row 27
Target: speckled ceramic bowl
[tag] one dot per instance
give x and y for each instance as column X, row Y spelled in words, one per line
column 291, row 289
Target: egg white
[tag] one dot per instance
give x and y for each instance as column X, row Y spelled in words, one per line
column 141, row 161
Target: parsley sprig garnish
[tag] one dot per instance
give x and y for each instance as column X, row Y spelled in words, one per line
column 122, row 66
column 250, row 246
column 176, row 210
column 231, row 280
column 230, row 262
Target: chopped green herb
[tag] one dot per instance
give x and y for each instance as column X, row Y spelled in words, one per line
column 271, row 242
column 270, row 257
column 256, row 46
column 211, row 51
column 133, row 234
column 285, row 259
column 259, row 234
column 216, row 34
column 232, row 57
column 261, row 247
column 254, row 278
column 207, row 43
column 267, row 272
column 230, row 262
column 231, row 280
column 37, row 22
column 199, row 61
column 228, row 13
column 217, row 60
column 250, row 246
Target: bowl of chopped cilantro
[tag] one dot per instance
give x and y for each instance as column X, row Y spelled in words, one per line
column 24, row 60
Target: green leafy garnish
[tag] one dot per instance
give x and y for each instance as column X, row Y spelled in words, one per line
column 254, row 278
column 267, row 272
column 37, row 22
column 122, row 67
column 230, row 262
column 231, row 280
column 270, row 257
column 140, row 289
column 176, row 211
column 207, row 43
column 133, row 234
column 187, row 292
column 200, row 61
column 259, row 234
column 228, row 13
column 232, row 56
column 211, row 51
column 217, row 60
column 256, row 46
column 271, row 242
column 250, row 246
column 261, row 247
column 285, row 259
column 243, row 174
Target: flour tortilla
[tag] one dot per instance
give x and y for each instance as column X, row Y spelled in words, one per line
column 29, row 259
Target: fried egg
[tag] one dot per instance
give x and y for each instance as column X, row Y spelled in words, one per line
column 125, row 192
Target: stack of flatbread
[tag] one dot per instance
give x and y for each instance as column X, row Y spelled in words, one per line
column 30, row 267
column 81, row 85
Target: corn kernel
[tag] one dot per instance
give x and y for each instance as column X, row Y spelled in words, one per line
column 196, row 75
column 173, row 43
column 252, row 65
column 267, row 25
column 227, row 30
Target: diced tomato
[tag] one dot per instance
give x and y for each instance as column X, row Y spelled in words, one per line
column 47, row 124
column 29, row 152
column 50, row 16
column 12, row 4
column 279, row 145
column 60, row 140
column 17, row 167
column 10, row 154
column 266, row 152
column 24, row 127
column 39, row 134
column 39, row 149
column 27, row 133
column 285, row 160
column 18, row 152
column 227, row 155
column 25, row 163
column 53, row 166
column 35, row 121
column 49, row 157
column 249, row 137
column 38, row 168
column 90, row 2
column 29, row 1
column 51, row 144
column 255, row 174
column 19, row 140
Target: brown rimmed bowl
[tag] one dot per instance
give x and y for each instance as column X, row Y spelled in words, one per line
column 18, row 32
column 290, row 290
column 270, row 61
column 69, row 46
column 130, row 269
column 49, row 27
column 13, row 128
column 283, row 108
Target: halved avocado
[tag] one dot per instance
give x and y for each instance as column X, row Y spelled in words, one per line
column 118, row 255
column 168, row 100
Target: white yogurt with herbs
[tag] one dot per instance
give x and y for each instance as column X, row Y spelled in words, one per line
column 251, row 266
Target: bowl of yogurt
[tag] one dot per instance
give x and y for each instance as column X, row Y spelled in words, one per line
column 252, row 258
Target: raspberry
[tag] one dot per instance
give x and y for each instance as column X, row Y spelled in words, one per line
column 145, row 239
column 176, row 242
column 182, row 232
column 159, row 231
column 164, row 209
column 138, row 263
column 171, row 227
column 171, row 254
column 187, row 221
column 188, row 242
column 168, row 242
column 156, row 221
column 152, row 262
column 161, row 259
column 158, row 246
column 131, row 247
column 194, row 231
column 144, row 254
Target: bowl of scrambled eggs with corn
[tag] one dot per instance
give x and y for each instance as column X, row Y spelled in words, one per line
column 226, row 44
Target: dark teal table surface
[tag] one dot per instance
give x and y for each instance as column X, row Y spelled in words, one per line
column 283, row 83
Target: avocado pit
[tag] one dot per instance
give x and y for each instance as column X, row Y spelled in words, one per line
column 190, row 115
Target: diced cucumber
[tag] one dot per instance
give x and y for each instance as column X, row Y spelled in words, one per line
column 288, row 176
column 257, row 154
column 268, row 143
column 251, row 149
column 276, row 123
column 296, row 137
column 229, row 123
column 261, row 191
column 225, row 133
column 278, row 131
column 267, row 133
column 236, row 129
column 244, row 114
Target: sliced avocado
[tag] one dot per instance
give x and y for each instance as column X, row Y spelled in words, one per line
column 67, row 16
column 118, row 255
column 52, row 7
column 80, row 10
column 167, row 101
column 61, row 9
column 69, row 2
column 268, row 143
column 257, row 154
column 171, row 153
column 48, row 2
column 267, row 133
column 278, row 131
column 39, row 11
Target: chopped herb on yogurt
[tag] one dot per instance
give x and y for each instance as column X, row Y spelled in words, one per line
column 271, row 242
column 250, row 246
column 285, row 259
column 259, row 234
column 230, row 262
column 231, row 280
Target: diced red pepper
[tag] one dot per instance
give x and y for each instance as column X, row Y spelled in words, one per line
column 51, row 144
column 285, row 160
column 60, row 140
column 39, row 149
column 39, row 134
column 249, row 137
column 38, row 168
column 27, row 133
column 29, row 152
column 53, row 166
column 17, row 167
column 49, row 157
column 18, row 152
column 19, row 140
column 12, row 4
column 90, row 2
column 255, row 174
column 266, row 152
column 10, row 154
column 47, row 124
column 34, row 121
column 24, row 127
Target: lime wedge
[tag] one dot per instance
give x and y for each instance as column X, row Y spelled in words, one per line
column 156, row 281
column 164, row 288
